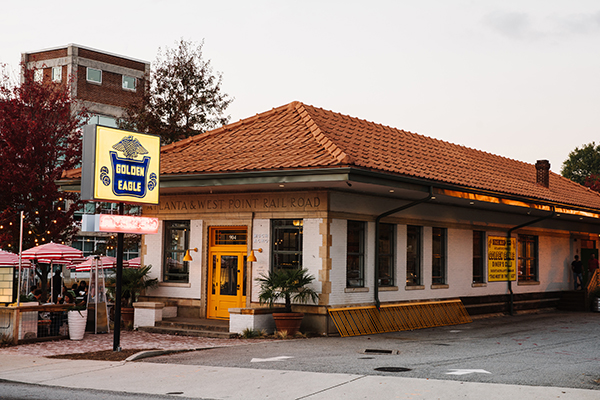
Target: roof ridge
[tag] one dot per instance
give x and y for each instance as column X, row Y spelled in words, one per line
column 320, row 137
column 227, row 127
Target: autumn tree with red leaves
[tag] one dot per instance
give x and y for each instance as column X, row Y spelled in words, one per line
column 40, row 137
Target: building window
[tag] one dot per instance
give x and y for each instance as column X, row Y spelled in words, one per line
column 106, row 245
column 355, row 254
column 103, row 120
column 528, row 258
column 177, row 237
column 128, row 82
column 478, row 260
column 413, row 255
column 38, row 75
column 56, row 74
column 386, row 255
column 287, row 244
column 438, row 261
column 94, row 75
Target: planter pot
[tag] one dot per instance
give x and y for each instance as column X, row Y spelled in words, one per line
column 77, row 321
column 289, row 322
column 127, row 314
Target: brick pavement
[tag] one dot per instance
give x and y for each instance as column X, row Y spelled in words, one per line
column 129, row 340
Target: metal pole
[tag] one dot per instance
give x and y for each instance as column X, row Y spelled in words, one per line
column 118, row 284
column 20, row 258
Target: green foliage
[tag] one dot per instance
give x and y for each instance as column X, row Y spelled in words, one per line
column 182, row 97
column 582, row 163
column 288, row 284
column 249, row 333
column 6, row 340
column 134, row 281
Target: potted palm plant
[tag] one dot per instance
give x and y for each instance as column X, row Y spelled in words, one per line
column 291, row 285
column 134, row 282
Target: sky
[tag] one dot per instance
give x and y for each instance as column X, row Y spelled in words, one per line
column 520, row 79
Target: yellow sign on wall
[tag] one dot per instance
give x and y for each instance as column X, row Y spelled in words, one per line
column 498, row 264
column 120, row 166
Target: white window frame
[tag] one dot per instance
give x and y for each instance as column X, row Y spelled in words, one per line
column 87, row 75
column 57, row 74
column 126, row 86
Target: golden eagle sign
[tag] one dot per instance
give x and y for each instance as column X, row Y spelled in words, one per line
column 120, row 166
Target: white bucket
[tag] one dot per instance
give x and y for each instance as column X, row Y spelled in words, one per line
column 77, row 323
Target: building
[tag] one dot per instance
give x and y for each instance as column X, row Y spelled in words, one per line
column 103, row 83
column 378, row 215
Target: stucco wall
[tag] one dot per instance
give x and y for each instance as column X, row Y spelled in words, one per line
column 555, row 255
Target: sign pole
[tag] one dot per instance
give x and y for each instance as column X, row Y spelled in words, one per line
column 118, row 285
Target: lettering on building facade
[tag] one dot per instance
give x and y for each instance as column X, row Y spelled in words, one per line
column 242, row 203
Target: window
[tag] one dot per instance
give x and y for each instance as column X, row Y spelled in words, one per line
column 94, row 75
column 56, row 74
column 478, row 260
column 38, row 75
column 413, row 256
column 438, row 260
column 107, row 245
column 528, row 258
column 355, row 254
column 176, row 243
column 103, row 120
column 287, row 244
column 128, row 82
column 386, row 255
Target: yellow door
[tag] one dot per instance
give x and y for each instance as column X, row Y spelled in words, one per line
column 227, row 283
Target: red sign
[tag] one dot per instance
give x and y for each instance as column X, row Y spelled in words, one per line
column 128, row 224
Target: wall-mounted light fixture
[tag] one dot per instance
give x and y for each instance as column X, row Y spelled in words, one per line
column 252, row 257
column 187, row 256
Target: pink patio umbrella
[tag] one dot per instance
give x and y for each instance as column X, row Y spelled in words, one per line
column 103, row 262
column 134, row 262
column 53, row 253
column 8, row 259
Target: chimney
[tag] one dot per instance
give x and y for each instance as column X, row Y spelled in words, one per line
column 542, row 169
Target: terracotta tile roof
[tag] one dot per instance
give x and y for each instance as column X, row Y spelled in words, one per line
column 299, row 136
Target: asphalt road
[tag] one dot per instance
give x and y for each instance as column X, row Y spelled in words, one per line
column 553, row 349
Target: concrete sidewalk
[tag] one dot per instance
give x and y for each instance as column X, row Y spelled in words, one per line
column 248, row 384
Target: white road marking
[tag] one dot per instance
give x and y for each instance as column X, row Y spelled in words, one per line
column 467, row 371
column 280, row 358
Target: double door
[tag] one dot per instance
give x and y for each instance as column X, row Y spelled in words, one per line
column 227, row 283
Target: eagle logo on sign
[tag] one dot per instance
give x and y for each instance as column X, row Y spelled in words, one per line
column 131, row 147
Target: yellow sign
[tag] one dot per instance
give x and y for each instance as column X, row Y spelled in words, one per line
column 498, row 265
column 125, row 168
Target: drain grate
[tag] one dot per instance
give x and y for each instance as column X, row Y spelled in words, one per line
column 392, row 369
column 380, row 351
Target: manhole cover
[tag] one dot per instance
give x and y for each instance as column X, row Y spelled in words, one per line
column 392, row 369
column 379, row 351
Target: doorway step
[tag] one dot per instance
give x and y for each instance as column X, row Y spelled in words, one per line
column 199, row 327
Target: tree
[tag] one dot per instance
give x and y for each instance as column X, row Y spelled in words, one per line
column 582, row 163
column 40, row 137
column 183, row 96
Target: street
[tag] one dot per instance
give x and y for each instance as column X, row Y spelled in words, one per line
column 553, row 349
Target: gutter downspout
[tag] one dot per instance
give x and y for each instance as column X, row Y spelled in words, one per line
column 377, row 220
column 511, row 304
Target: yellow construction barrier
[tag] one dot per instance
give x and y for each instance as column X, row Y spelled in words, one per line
column 354, row 321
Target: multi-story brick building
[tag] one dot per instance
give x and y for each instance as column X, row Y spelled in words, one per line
column 104, row 83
